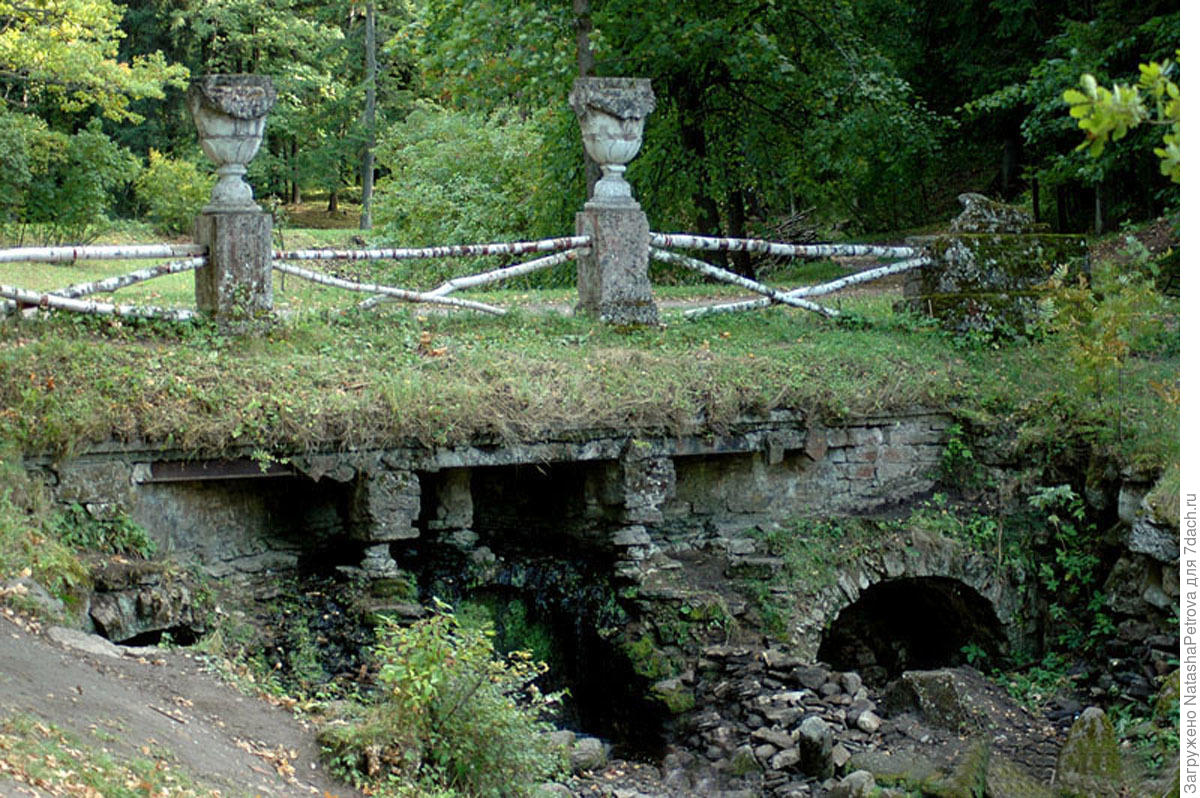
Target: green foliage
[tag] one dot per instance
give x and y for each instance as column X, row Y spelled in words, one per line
column 172, row 191
column 1107, row 329
column 1069, row 574
column 958, row 466
column 1106, row 115
column 459, row 177
column 119, row 534
column 67, row 55
column 514, row 629
column 453, row 717
column 981, row 531
column 59, row 187
column 1101, row 40
column 27, row 547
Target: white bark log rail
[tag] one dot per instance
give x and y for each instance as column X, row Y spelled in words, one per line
column 68, row 298
column 913, row 258
column 118, row 252
column 570, row 247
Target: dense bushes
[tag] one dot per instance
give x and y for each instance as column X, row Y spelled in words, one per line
column 172, row 192
column 54, row 186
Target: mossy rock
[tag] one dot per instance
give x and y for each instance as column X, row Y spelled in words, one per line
column 675, row 695
column 983, row 773
column 1166, row 704
column 1089, row 764
column 905, row 769
column 990, row 282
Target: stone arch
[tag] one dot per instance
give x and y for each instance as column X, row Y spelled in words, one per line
column 911, row 623
column 1000, row 585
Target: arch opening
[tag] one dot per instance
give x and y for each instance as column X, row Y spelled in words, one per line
column 916, row 623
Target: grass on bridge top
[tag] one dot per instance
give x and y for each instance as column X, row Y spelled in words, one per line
column 403, row 373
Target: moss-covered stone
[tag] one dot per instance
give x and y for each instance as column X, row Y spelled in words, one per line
column 896, row 768
column 673, row 693
column 990, row 282
column 1089, row 763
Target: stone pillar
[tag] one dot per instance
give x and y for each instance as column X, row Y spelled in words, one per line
column 230, row 113
column 613, row 278
column 990, row 271
column 454, row 508
column 235, row 284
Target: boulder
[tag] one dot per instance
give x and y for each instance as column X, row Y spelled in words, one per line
column 814, row 740
column 859, row 784
column 588, row 753
column 1090, row 761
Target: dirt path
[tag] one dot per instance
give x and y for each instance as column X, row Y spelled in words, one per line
column 135, row 701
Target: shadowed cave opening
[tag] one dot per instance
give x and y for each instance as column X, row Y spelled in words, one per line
column 917, row 623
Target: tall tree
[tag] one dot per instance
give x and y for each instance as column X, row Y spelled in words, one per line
column 368, row 155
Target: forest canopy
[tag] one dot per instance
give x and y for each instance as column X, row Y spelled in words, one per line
column 859, row 117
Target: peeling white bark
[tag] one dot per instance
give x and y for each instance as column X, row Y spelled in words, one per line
column 816, row 290
column 398, row 293
column 684, row 241
column 724, row 275
column 120, row 252
column 456, row 251
column 110, row 284
column 44, row 300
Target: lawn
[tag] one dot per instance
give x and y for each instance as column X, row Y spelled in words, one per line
column 403, row 374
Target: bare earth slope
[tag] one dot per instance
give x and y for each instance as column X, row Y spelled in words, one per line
column 160, row 704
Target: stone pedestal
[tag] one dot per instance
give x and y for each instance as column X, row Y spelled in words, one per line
column 235, row 284
column 613, row 279
column 989, row 273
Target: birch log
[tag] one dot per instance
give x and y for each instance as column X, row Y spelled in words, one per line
column 683, row 241
column 484, row 278
column 119, row 252
column 455, row 251
column 43, row 300
column 398, row 293
column 724, row 275
column 817, row 290
column 110, row 284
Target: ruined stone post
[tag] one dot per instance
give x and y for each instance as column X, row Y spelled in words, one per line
column 613, row 279
column 230, row 112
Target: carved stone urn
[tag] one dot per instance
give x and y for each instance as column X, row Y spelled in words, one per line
column 612, row 114
column 230, row 112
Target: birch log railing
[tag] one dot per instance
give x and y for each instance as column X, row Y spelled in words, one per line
column 565, row 249
column 70, row 297
column 909, row 258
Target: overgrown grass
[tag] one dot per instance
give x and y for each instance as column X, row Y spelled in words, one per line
column 400, row 374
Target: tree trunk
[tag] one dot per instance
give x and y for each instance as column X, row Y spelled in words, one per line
column 585, row 60
column 1035, row 191
column 332, row 207
column 295, row 172
column 368, row 158
column 737, row 229
column 708, row 216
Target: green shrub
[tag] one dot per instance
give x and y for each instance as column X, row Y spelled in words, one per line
column 172, row 191
column 73, row 181
column 76, row 528
column 453, row 716
column 458, row 177
column 26, row 550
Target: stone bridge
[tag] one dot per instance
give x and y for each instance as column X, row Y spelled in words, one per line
column 640, row 504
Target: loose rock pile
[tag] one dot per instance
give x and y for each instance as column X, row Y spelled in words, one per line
column 769, row 724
